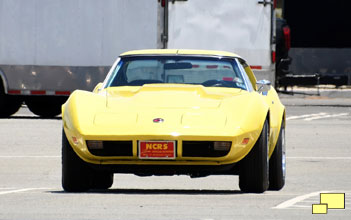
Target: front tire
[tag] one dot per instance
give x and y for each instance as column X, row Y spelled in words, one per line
column 277, row 163
column 254, row 173
column 75, row 173
column 102, row 181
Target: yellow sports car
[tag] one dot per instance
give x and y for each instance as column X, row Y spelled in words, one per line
column 174, row 112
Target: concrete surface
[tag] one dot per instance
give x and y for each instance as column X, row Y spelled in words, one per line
column 318, row 160
column 324, row 96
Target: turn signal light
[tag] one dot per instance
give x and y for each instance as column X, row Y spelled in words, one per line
column 75, row 140
column 245, row 141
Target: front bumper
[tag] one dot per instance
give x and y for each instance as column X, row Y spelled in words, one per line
column 237, row 151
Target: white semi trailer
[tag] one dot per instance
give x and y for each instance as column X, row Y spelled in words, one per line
column 49, row 48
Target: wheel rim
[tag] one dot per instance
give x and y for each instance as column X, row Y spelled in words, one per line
column 283, row 152
column 267, row 144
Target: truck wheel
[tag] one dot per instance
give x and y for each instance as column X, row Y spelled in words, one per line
column 47, row 107
column 254, row 174
column 75, row 173
column 102, row 181
column 9, row 105
column 277, row 163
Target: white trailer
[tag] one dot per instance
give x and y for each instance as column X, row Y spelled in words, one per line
column 48, row 48
column 245, row 27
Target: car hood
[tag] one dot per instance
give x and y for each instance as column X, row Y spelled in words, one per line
column 161, row 96
column 166, row 109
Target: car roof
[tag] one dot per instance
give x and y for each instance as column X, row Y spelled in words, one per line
column 181, row 52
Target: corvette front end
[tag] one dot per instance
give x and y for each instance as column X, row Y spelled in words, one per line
column 203, row 131
column 167, row 112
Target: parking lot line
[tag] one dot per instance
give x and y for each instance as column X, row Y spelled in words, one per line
column 319, row 158
column 28, row 156
column 321, row 115
column 20, row 190
column 326, row 116
column 305, row 116
column 293, row 201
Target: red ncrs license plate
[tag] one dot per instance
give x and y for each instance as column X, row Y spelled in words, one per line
column 157, row 149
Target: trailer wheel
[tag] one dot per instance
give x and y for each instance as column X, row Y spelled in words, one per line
column 9, row 105
column 47, row 107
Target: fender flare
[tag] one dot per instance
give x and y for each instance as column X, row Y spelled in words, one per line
column 3, row 82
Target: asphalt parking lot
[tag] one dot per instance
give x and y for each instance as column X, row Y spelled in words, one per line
column 318, row 160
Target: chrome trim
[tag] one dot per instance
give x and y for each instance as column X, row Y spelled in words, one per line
column 244, row 76
column 263, row 86
column 110, row 72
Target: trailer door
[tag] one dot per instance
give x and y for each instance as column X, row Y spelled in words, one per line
column 241, row 26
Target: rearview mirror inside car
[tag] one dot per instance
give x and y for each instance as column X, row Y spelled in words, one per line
column 179, row 65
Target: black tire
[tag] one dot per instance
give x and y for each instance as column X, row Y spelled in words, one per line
column 9, row 105
column 75, row 172
column 254, row 172
column 47, row 107
column 277, row 163
column 102, row 180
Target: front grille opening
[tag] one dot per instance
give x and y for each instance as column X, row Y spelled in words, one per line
column 204, row 149
column 111, row 148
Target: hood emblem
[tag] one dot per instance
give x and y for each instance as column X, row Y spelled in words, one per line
column 158, row 120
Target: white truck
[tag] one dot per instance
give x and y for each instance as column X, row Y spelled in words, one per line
column 49, row 48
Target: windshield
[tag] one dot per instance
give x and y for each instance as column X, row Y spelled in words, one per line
column 209, row 72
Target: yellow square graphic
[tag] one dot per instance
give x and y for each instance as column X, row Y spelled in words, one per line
column 319, row 208
column 334, row 200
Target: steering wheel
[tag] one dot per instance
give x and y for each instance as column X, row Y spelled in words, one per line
column 219, row 83
column 140, row 82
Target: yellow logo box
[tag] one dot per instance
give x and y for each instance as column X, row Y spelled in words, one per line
column 334, row 200
column 319, row 208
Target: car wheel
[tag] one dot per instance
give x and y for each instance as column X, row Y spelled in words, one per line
column 277, row 163
column 254, row 172
column 75, row 173
column 102, row 181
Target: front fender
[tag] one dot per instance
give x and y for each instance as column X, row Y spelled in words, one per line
column 79, row 110
column 276, row 117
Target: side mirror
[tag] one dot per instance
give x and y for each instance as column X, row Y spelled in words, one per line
column 97, row 88
column 263, row 86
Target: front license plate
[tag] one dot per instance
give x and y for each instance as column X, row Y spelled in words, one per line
column 157, row 149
